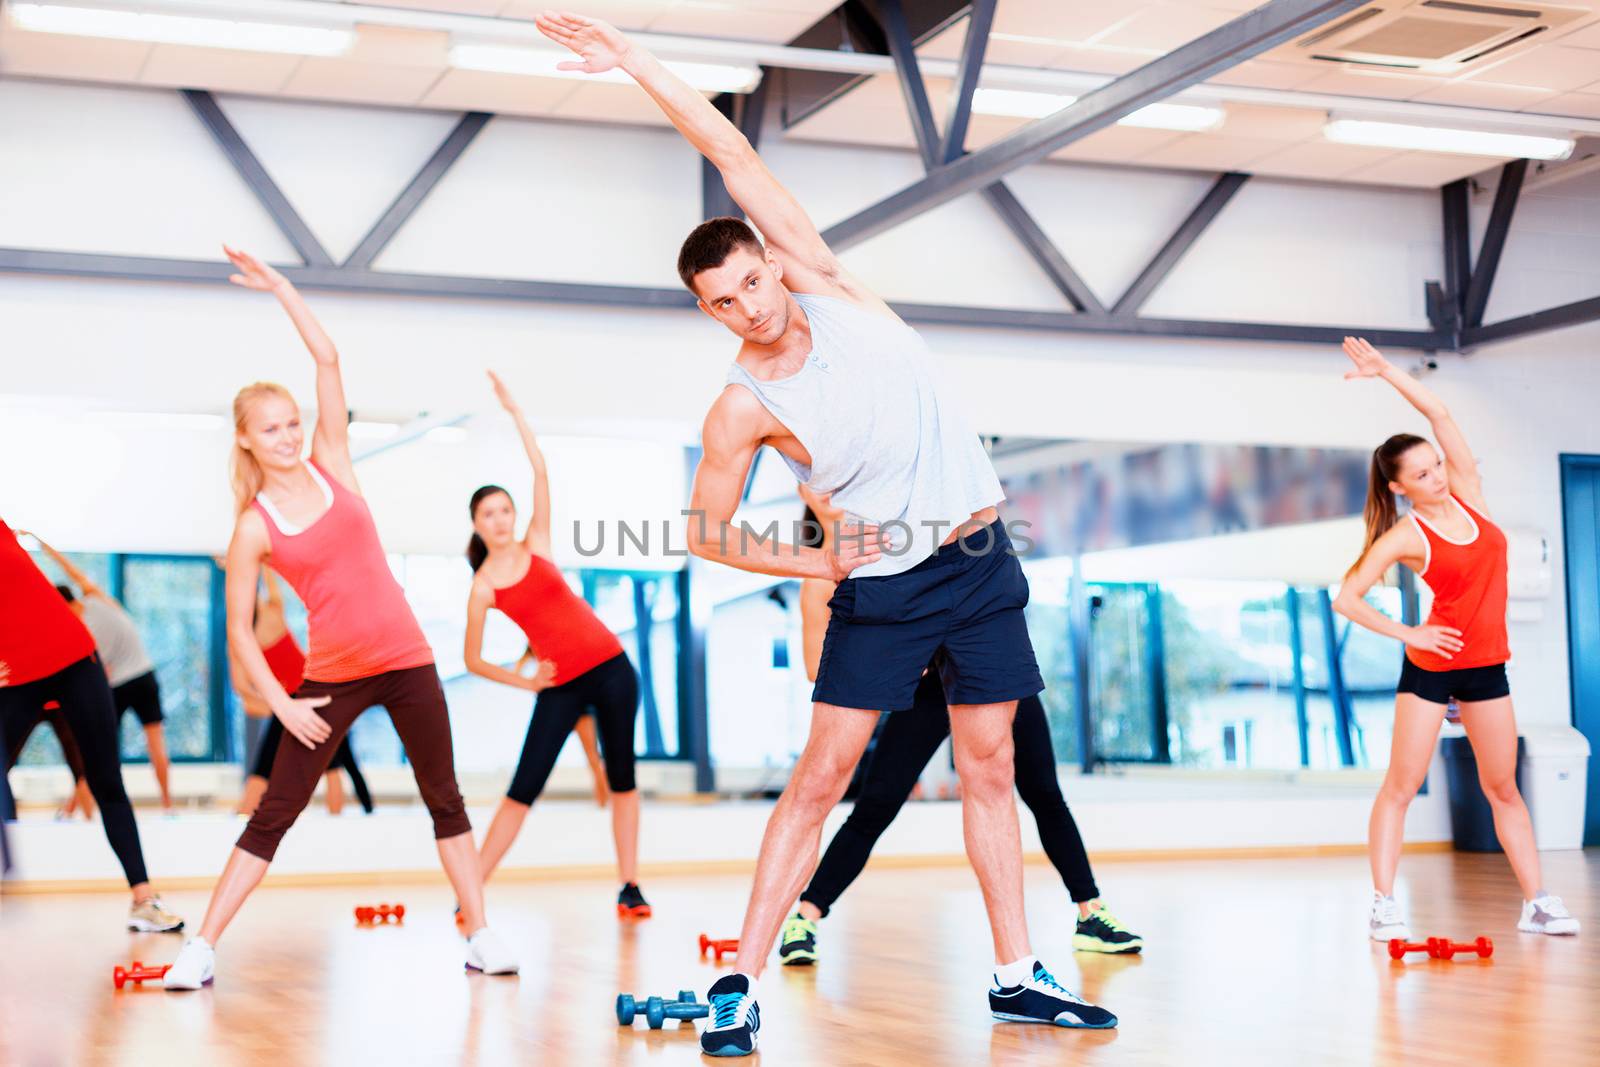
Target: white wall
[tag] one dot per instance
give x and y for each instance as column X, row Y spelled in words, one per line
column 105, row 169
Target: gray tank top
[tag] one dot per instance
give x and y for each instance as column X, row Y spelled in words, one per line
column 116, row 638
column 884, row 438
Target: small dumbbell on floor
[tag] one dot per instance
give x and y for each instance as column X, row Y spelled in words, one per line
column 657, row 1010
column 138, row 974
column 367, row 915
column 726, row 947
column 1442, row 948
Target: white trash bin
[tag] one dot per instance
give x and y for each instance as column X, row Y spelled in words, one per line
column 1555, row 778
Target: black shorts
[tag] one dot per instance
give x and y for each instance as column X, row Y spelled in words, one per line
column 1469, row 684
column 140, row 695
column 966, row 600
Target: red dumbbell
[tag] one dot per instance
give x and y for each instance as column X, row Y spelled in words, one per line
column 1399, row 948
column 367, row 915
column 1442, row 948
column 727, row 946
column 138, row 973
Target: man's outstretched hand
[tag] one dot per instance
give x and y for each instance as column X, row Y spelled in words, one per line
column 602, row 45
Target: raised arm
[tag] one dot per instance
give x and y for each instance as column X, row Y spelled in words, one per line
column 330, row 445
column 537, row 539
column 478, row 604
column 77, row 577
column 1460, row 463
column 245, row 552
column 809, row 266
column 733, row 430
column 1402, row 544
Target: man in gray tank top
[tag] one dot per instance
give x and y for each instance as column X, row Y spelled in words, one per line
column 829, row 377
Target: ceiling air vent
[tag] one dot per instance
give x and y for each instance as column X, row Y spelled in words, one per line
column 1436, row 36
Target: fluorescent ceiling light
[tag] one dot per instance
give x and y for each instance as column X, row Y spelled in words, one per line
column 373, row 431
column 1023, row 104
column 446, row 435
column 1443, row 139
column 181, row 29
column 543, row 63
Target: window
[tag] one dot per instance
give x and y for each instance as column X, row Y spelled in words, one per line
column 171, row 598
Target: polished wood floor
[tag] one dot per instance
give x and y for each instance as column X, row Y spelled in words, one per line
column 1250, row 961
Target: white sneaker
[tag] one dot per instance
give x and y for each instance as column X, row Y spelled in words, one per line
column 194, row 966
column 1387, row 922
column 150, row 916
column 487, row 953
column 1547, row 915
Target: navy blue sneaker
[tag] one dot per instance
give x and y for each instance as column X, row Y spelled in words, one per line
column 735, row 1018
column 1041, row 999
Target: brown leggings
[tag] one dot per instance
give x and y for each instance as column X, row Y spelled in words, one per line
column 415, row 702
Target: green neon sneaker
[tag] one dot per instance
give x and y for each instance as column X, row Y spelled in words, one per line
column 798, row 946
column 1102, row 931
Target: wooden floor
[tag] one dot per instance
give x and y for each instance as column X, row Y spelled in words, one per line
column 1255, row 961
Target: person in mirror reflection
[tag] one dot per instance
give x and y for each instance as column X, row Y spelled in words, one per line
column 1459, row 653
column 309, row 519
column 582, row 666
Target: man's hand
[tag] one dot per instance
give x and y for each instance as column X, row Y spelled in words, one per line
column 602, row 45
column 856, row 546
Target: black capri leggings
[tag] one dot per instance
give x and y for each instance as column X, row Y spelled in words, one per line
column 909, row 739
column 85, row 699
column 267, row 751
column 612, row 691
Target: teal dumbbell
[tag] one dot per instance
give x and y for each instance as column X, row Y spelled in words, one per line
column 657, row 1010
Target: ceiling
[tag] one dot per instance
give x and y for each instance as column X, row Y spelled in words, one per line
column 408, row 67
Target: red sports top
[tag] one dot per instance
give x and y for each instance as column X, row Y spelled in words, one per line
column 559, row 624
column 359, row 622
column 1468, row 580
column 39, row 634
column 288, row 663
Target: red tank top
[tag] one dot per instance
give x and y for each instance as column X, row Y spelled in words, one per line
column 39, row 634
column 359, row 622
column 1469, row 593
column 288, row 663
column 559, row 624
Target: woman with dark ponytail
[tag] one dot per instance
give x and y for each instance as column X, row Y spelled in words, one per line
column 1460, row 652
column 581, row 663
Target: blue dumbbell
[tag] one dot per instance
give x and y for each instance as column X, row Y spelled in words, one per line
column 657, row 1010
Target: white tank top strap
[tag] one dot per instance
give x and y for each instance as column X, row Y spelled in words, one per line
column 285, row 527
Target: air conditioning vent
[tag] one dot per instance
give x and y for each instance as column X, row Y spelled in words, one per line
column 1435, row 36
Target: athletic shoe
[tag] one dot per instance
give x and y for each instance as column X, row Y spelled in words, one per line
column 1041, row 999
column 1102, row 931
column 194, row 967
column 1547, row 915
column 487, row 953
column 150, row 916
column 631, row 903
column 735, row 1018
column 798, row 946
column 1387, row 922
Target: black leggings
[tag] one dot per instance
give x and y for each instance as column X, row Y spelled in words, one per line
column 909, row 739
column 612, row 690
column 85, row 699
column 267, row 751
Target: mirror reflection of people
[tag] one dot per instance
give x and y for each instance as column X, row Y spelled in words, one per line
column 1460, row 652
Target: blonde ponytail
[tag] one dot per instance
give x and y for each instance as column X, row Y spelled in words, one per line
column 244, row 473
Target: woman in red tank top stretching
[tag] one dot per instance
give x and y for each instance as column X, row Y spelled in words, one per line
column 310, row 522
column 1461, row 651
column 582, row 664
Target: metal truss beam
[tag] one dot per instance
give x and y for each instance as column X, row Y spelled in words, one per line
column 1225, row 47
column 1494, row 242
column 1576, row 313
column 979, row 23
column 244, row 161
column 1453, row 200
column 1178, row 245
column 412, row 196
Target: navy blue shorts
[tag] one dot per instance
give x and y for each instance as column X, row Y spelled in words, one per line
column 965, row 600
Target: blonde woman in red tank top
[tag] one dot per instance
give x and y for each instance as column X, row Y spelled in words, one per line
column 1460, row 651
column 309, row 521
column 583, row 668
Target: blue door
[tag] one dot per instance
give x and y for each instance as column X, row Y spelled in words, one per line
column 1580, row 499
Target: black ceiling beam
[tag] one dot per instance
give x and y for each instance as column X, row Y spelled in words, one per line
column 388, row 283
column 968, row 70
column 930, row 146
column 417, row 190
column 1225, row 47
column 1457, row 241
column 1494, row 242
column 1178, row 245
column 244, row 161
column 1576, row 313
